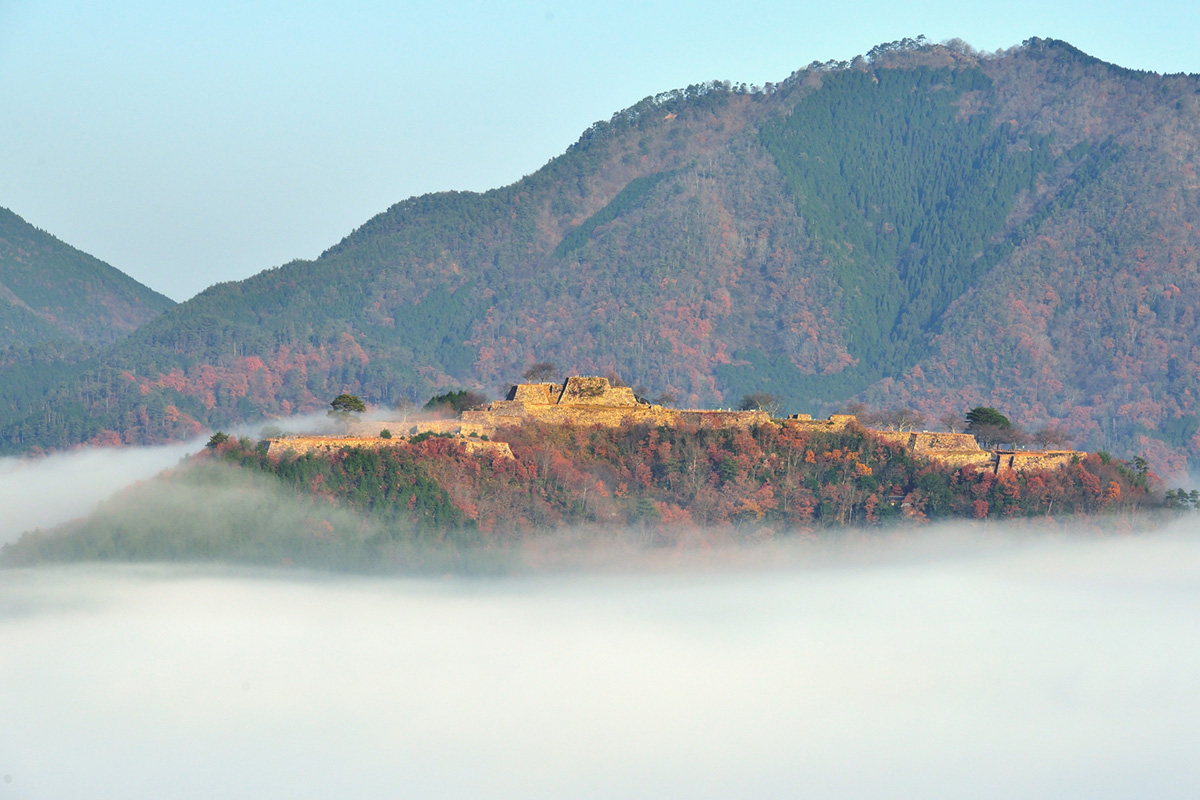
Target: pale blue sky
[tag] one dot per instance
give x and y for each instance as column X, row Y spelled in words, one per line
column 194, row 144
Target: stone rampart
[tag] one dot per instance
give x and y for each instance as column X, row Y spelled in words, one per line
column 930, row 441
column 836, row 422
column 1030, row 460
column 512, row 413
column 959, row 449
column 300, row 445
column 592, row 391
column 720, row 419
column 608, row 416
column 542, row 393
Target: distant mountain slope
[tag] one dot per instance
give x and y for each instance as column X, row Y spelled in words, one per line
column 58, row 308
column 921, row 226
column 49, row 290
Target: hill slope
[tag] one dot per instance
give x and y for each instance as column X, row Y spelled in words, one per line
column 49, row 290
column 922, row 226
column 58, row 308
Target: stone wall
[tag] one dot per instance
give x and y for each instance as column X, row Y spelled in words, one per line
column 542, row 393
column 926, row 441
column 331, row 444
column 959, row 449
column 1022, row 461
column 592, row 391
column 836, row 422
column 513, row 413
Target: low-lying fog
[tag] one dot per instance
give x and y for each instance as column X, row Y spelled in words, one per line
column 43, row 492
column 944, row 665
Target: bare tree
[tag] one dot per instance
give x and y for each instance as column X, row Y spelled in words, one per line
column 760, row 401
column 666, row 398
column 951, row 421
column 907, row 419
column 1051, row 437
column 541, row 371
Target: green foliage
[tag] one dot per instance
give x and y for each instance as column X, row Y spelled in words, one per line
column 456, row 401
column 385, row 434
column 905, row 194
column 217, row 439
column 629, row 198
column 346, row 404
column 1176, row 431
column 64, row 293
column 984, row 415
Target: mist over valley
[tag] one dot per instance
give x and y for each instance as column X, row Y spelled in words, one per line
column 946, row 664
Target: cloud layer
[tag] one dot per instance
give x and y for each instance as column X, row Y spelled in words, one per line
column 41, row 493
column 950, row 664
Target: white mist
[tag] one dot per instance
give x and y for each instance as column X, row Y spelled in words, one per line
column 937, row 668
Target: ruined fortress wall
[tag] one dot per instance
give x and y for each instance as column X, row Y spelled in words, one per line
column 902, row 438
column 596, row 392
column 609, row 416
column 984, row 459
column 1036, row 460
column 927, row 442
column 301, row 445
column 321, row 444
column 805, row 422
column 721, row 419
column 943, row 441
column 513, row 413
column 488, row 448
column 543, row 393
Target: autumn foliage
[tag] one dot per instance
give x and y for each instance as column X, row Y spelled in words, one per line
column 772, row 479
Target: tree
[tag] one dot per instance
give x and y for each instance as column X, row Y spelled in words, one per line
column 666, row 398
column 217, row 439
column 404, row 405
column 345, row 407
column 950, row 421
column 760, row 401
column 541, row 371
column 1051, row 437
column 991, row 427
column 985, row 415
column 902, row 419
column 456, row 402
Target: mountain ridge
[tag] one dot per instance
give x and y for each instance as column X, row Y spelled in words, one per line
column 675, row 245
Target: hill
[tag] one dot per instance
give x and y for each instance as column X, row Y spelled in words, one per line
column 51, row 291
column 432, row 502
column 58, row 308
column 924, row 226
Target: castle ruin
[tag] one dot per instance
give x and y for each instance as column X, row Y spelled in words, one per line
column 589, row 400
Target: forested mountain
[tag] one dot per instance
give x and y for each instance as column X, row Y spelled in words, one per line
column 923, row 226
column 49, row 290
column 58, row 307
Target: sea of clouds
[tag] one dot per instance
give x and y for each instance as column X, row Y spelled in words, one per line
column 1001, row 668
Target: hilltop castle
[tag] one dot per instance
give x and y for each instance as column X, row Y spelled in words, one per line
column 596, row 401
